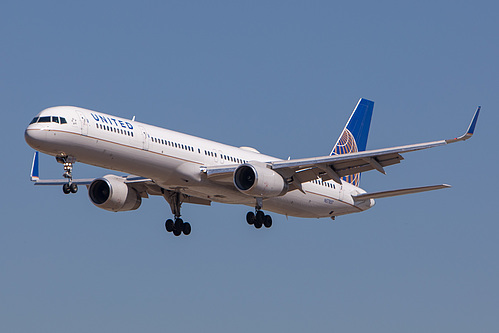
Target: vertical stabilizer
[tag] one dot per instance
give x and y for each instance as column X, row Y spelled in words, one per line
column 354, row 136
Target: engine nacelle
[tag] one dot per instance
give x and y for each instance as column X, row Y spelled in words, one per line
column 259, row 181
column 111, row 193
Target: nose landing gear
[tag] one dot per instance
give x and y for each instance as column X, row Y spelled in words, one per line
column 68, row 162
column 69, row 188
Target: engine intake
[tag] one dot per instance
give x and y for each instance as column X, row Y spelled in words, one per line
column 111, row 193
column 259, row 181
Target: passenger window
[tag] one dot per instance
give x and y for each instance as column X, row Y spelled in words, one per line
column 34, row 120
column 44, row 120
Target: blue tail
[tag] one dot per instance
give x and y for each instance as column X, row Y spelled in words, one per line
column 354, row 136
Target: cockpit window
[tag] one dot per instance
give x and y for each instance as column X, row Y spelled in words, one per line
column 48, row 119
column 44, row 119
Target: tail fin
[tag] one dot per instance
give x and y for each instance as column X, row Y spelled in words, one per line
column 354, row 136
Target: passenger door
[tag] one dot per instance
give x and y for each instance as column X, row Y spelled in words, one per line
column 145, row 138
column 83, row 123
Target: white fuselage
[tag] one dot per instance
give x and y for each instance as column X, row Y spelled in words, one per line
column 174, row 161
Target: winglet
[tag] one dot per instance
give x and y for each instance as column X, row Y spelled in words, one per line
column 470, row 131
column 35, row 174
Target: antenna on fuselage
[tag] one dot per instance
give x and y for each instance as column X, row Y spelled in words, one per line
column 133, row 118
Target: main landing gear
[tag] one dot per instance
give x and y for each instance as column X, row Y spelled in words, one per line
column 68, row 162
column 176, row 226
column 259, row 218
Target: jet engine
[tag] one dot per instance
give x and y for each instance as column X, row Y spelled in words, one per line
column 111, row 193
column 259, row 181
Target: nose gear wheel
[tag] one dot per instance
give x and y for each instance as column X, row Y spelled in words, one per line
column 68, row 162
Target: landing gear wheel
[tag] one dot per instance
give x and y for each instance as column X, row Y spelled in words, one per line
column 169, row 225
column 179, row 224
column 73, row 188
column 267, row 222
column 186, row 229
column 260, row 216
column 176, row 232
column 66, row 189
column 250, row 218
column 259, row 219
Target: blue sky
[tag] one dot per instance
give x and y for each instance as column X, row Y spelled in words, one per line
column 282, row 77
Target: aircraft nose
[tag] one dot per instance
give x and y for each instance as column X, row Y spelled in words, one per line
column 34, row 137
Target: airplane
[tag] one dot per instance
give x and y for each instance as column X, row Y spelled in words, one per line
column 188, row 169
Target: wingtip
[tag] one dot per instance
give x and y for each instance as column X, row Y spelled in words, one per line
column 35, row 175
column 471, row 128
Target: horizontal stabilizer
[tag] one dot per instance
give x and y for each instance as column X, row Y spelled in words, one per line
column 394, row 193
column 63, row 181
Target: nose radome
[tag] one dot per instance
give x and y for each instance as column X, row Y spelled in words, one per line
column 35, row 137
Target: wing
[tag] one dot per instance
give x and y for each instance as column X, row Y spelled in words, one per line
column 334, row 167
column 143, row 186
column 394, row 193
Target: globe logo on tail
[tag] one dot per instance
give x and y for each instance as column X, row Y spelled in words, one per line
column 346, row 145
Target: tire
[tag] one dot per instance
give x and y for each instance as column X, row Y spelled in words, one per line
column 73, row 188
column 177, row 232
column 260, row 216
column 250, row 218
column 267, row 222
column 179, row 224
column 65, row 189
column 186, row 228
column 169, row 225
